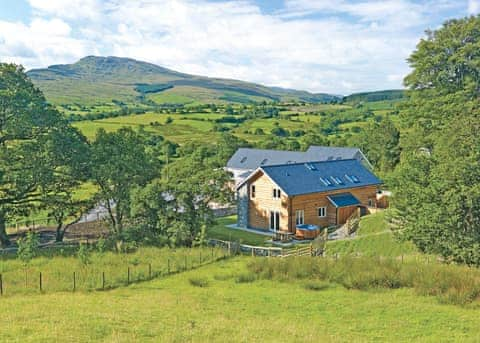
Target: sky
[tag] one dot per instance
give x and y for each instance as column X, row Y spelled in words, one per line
column 336, row 47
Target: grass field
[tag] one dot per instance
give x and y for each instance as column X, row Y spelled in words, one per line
column 57, row 268
column 373, row 239
column 223, row 307
column 222, row 232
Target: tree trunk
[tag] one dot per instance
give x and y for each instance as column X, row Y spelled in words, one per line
column 4, row 240
column 60, row 233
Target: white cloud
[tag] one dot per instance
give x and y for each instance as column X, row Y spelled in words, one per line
column 70, row 9
column 473, row 7
column 307, row 45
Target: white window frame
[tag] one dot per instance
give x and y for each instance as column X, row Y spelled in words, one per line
column 322, row 209
column 277, row 193
column 299, row 217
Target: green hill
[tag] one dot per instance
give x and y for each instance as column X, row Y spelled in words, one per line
column 95, row 80
column 393, row 94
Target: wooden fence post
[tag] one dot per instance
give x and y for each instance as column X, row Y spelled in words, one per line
column 74, row 282
column 128, row 275
column 212, row 253
column 1, row 284
column 40, row 281
column 103, row 280
column 149, row 270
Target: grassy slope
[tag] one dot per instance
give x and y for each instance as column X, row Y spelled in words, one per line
column 373, row 238
column 220, row 231
column 172, row 309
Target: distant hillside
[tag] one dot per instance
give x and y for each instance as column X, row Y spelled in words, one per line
column 394, row 94
column 103, row 79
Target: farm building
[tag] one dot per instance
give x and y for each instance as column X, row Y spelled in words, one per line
column 246, row 160
column 310, row 195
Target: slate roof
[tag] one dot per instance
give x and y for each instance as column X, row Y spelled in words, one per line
column 322, row 176
column 251, row 159
column 343, row 199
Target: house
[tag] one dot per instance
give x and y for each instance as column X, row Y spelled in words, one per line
column 320, row 194
column 246, row 160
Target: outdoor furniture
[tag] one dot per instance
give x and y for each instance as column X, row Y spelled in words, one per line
column 283, row 236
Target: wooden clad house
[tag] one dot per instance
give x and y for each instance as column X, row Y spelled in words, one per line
column 286, row 196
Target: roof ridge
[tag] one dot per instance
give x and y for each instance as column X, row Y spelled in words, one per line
column 305, row 162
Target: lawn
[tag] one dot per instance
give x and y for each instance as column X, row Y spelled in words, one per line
column 222, row 232
column 174, row 309
column 373, row 239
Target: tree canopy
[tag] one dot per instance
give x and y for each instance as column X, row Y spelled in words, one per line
column 437, row 192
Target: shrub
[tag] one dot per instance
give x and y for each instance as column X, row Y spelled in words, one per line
column 245, row 278
column 316, row 285
column 28, row 247
column 198, row 282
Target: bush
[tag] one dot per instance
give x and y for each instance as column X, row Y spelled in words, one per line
column 28, row 247
column 316, row 285
column 198, row 282
column 245, row 278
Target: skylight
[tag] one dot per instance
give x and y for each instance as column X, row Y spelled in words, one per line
column 337, row 180
column 352, row 178
column 310, row 166
column 325, row 181
column 243, row 159
column 264, row 161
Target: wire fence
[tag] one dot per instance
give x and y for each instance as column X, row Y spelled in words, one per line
column 91, row 277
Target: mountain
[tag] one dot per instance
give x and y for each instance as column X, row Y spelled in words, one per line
column 94, row 80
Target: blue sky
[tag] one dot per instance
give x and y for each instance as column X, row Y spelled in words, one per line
column 322, row 46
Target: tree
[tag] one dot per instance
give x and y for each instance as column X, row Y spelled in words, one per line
column 437, row 184
column 71, row 150
column 29, row 126
column 380, row 143
column 121, row 161
column 178, row 206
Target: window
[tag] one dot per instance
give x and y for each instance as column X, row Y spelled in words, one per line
column 274, row 220
column 371, row 202
column 322, row 212
column 277, row 193
column 252, row 191
column 299, row 217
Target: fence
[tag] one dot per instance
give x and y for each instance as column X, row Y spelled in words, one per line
column 237, row 248
column 89, row 277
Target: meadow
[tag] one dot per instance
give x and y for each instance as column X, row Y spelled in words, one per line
column 90, row 269
column 216, row 303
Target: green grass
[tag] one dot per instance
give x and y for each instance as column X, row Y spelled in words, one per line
column 373, row 239
column 57, row 268
column 222, row 232
column 173, row 310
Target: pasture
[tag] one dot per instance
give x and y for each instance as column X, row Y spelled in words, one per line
column 217, row 303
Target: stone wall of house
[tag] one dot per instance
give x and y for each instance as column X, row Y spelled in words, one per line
column 242, row 206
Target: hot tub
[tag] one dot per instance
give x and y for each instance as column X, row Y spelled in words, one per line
column 307, row 231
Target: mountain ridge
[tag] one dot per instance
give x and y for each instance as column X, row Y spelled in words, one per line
column 96, row 78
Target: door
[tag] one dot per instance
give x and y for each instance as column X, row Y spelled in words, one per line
column 274, row 220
